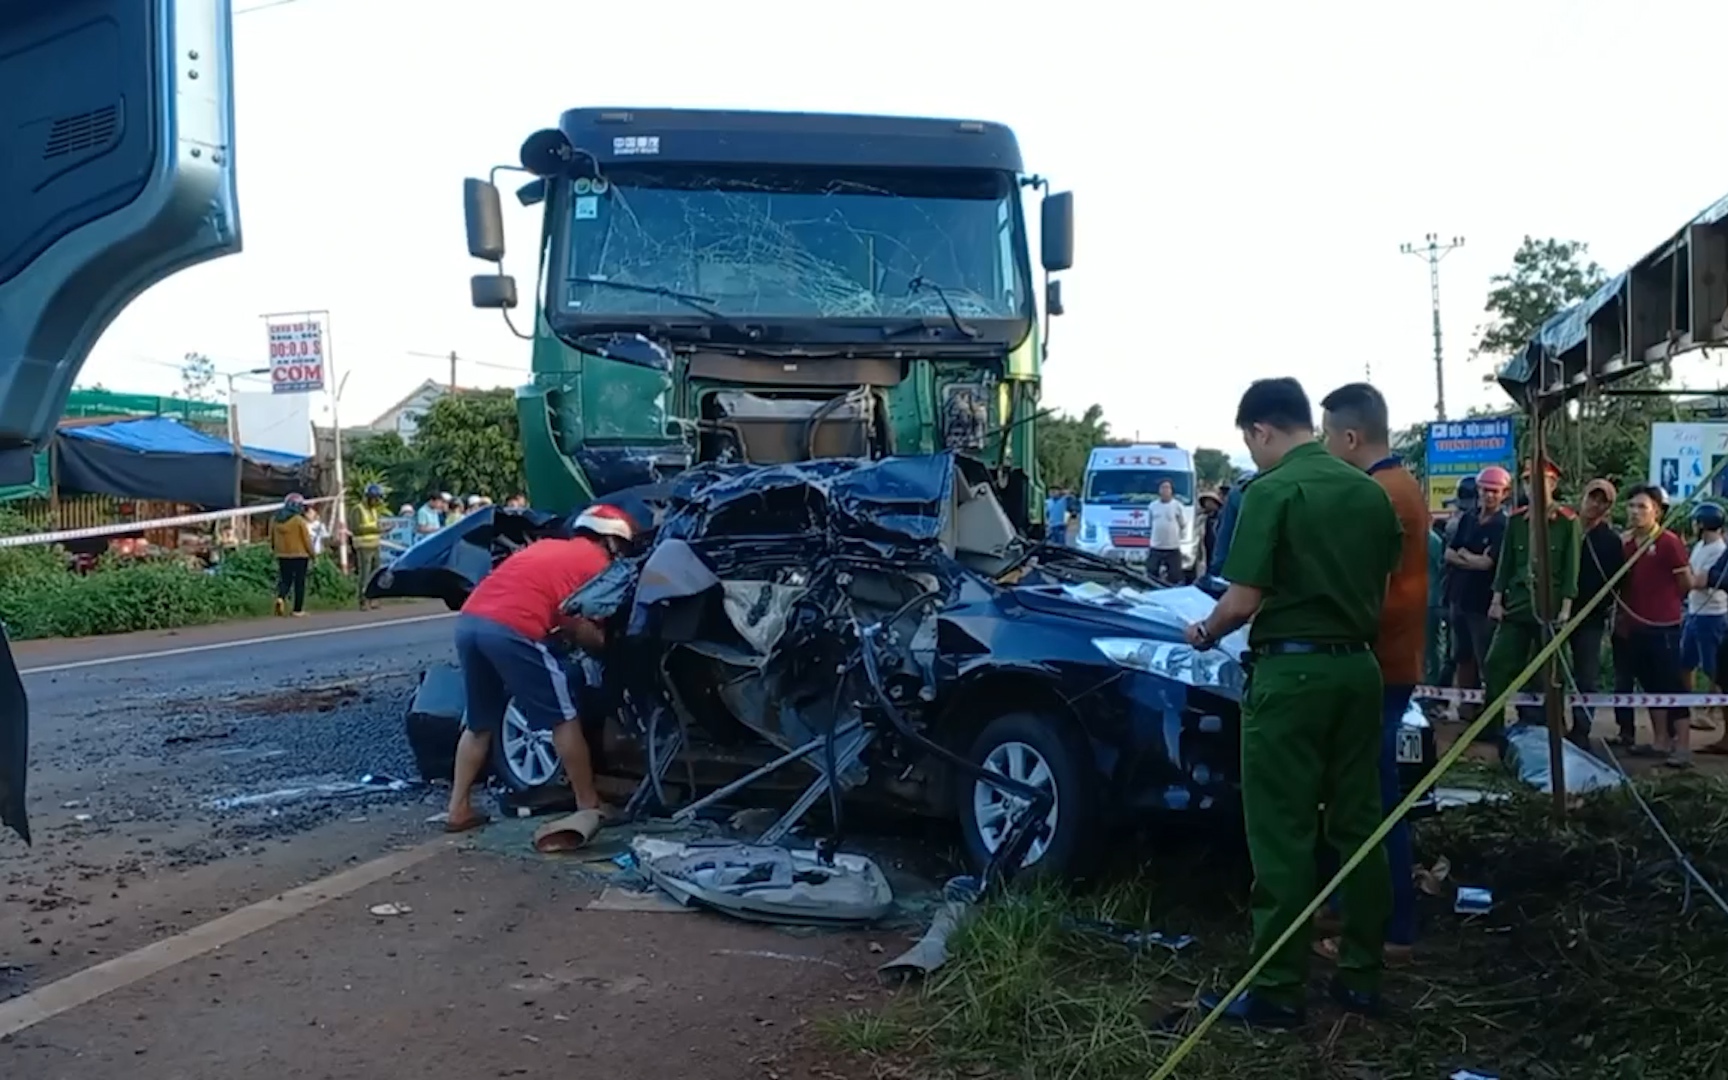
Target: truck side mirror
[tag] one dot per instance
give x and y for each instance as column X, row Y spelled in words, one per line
column 485, row 219
column 493, row 291
column 1056, row 231
column 1053, row 297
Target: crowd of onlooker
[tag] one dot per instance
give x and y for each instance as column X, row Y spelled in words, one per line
column 1661, row 628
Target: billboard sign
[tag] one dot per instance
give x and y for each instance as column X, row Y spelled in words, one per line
column 1460, row 448
column 1682, row 455
column 296, row 356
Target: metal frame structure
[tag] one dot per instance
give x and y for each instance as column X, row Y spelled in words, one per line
column 1673, row 300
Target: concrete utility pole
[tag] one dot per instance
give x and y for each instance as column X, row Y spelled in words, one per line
column 451, row 356
column 1432, row 250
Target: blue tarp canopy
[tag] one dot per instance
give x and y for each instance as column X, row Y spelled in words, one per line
column 1674, row 298
column 158, row 458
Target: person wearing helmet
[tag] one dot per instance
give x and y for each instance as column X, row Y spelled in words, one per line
column 502, row 642
column 1706, row 621
column 1513, row 606
column 366, row 532
column 1470, row 564
column 291, row 543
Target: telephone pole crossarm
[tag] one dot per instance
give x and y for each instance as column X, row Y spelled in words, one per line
column 1432, row 250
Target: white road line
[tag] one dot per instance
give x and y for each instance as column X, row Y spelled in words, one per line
column 86, row 986
column 185, row 650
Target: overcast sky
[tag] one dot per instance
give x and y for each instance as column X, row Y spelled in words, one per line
column 1244, row 172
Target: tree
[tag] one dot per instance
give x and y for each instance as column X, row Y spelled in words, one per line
column 1212, row 468
column 386, row 460
column 1547, row 276
column 198, row 377
column 471, row 443
column 1065, row 442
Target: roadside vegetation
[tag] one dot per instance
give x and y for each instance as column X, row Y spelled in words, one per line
column 41, row 596
column 1597, row 961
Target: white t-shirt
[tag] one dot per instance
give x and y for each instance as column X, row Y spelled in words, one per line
column 1707, row 601
column 1166, row 519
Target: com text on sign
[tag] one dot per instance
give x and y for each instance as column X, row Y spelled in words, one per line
column 296, row 356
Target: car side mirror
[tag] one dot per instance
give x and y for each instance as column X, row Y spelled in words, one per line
column 492, row 291
column 484, row 215
column 1053, row 297
column 1056, row 231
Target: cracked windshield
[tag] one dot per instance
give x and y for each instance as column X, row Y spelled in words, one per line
column 797, row 244
column 1124, row 487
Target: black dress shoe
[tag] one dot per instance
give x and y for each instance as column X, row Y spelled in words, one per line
column 1363, row 1002
column 1256, row 1011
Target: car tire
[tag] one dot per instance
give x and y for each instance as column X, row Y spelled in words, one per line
column 1022, row 742
column 524, row 761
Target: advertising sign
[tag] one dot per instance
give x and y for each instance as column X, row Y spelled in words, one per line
column 296, row 356
column 1681, row 455
column 1460, row 448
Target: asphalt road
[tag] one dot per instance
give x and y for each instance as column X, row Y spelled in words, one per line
column 161, row 754
column 177, row 788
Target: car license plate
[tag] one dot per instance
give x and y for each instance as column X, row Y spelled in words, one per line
column 1135, row 555
column 1409, row 746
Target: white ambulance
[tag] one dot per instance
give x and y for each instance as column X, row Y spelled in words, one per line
column 1121, row 482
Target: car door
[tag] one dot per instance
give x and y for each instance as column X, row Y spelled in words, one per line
column 116, row 170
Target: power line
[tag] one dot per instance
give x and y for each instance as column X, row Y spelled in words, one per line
column 455, row 359
column 1432, row 250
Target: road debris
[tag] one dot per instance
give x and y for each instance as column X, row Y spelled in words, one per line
column 768, row 884
column 389, row 910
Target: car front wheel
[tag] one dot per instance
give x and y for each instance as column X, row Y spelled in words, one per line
column 1038, row 750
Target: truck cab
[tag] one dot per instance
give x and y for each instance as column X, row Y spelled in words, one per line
column 1121, row 484
column 771, row 287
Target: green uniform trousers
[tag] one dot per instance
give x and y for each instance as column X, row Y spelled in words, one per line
column 1311, row 740
column 1516, row 641
column 365, row 565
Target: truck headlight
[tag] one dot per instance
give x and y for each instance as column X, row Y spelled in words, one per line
column 1212, row 669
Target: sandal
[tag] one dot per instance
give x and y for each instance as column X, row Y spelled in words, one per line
column 468, row 824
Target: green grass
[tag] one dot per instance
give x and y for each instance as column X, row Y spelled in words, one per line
column 1588, row 968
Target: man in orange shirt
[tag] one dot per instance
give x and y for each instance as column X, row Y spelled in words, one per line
column 1357, row 430
column 501, row 642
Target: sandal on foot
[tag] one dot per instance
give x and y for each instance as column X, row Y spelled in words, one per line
column 468, row 824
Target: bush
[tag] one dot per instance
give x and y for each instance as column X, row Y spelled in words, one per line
column 41, row 597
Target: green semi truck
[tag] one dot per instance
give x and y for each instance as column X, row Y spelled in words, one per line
column 768, row 287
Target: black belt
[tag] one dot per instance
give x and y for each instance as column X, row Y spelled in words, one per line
column 1308, row 648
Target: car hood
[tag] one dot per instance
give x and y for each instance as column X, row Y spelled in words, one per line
column 449, row 563
column 1157, row 617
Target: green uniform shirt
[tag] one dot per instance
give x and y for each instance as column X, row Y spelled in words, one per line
column 1514, row 577
column 1319, row 537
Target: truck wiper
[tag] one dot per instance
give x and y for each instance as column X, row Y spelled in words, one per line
column 704, row 304
column 919, row 283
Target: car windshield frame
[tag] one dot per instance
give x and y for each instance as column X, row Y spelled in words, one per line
column 909, row 291
column 1180, row 479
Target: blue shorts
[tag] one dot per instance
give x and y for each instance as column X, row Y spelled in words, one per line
column 501, row 667
column 1700, row 637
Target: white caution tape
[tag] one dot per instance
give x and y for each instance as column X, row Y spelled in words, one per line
column 139, row 526
column 1590, row 701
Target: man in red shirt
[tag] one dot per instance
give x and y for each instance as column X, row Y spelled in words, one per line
column 501, row 642
column 1647, row 626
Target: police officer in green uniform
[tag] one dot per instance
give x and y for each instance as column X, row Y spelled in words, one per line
column 1518, row 625
column 1309, row 562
